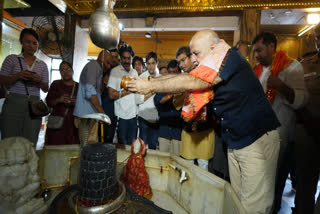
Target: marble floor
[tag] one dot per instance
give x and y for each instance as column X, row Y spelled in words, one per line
column 288, row 198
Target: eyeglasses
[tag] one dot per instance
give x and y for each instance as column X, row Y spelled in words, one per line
column 66, row 69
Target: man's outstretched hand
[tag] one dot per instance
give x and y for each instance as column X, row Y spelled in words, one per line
column 139, row 85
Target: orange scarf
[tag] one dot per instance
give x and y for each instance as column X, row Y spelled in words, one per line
column 194, row 108
column 194, row 103
column 280, row 61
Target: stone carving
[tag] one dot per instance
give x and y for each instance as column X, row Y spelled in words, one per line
column 19, row 180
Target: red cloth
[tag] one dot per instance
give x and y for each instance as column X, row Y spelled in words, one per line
column 69, row 133
column 280, row 61
column 134, row 173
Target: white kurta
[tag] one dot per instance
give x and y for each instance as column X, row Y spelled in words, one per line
column 292, row 76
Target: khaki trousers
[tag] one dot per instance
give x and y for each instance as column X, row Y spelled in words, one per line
column 169, row 145
column 252, row 173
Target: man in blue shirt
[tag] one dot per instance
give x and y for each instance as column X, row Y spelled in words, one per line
column 90, row 86
column 247, row 119
column 170, row 123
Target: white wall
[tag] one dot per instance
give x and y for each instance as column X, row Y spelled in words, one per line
column 80, row 51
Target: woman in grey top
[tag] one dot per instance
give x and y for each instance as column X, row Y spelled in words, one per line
column 15, row 116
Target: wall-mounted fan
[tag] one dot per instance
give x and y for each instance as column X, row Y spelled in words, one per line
column 51, row 32
column 148, row 35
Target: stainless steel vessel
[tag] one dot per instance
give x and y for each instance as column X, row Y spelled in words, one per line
column 104, row 26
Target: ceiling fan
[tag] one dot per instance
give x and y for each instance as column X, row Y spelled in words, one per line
column 148, row 35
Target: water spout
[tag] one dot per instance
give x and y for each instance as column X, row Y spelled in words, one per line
column 183, row 175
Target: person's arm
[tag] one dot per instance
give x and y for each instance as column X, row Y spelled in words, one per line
column 44, row 86
column 156, row 100
column 147, row 96
column 7, row 77
column 113, row 85
column 95, row 102
column 10, row 80
column 41, row 79
column 165, row 98
column 293, row 86
column 281, row 87
column 91, row 95
column 164, row 77
column 177, row 83
column 36, row 79
column 53, row 98
column 114, row 94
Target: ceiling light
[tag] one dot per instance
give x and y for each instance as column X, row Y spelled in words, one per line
column 313, row 18
column 306, row 30
column 148, row 35
column 312, row 10
column 271, row 15
column 288, row 12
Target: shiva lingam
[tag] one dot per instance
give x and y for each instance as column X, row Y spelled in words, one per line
column 98, row 190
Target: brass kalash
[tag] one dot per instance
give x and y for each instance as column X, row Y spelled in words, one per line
column 98, row 190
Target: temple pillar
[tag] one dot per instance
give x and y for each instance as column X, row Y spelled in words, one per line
column 249, row 28
column 80, row 57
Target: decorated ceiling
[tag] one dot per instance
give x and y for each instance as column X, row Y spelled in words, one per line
column 85, row 7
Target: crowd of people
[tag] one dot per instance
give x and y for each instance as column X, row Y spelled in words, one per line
column 265, row 117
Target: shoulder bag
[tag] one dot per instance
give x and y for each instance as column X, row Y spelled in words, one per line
column 37, row 108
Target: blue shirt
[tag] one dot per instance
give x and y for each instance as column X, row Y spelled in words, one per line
column 90, row 83
column 170, row 121
column 241, row 103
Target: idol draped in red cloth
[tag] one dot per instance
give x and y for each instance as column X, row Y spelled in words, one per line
column 134, row 173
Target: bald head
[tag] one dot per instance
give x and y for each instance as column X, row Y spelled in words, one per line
column 202, row 43
column 105, row 58
column 206, row 35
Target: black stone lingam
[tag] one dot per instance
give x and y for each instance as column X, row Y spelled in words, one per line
column 98, row 190
column 97, row 181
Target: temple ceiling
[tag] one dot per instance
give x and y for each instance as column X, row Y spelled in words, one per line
column 86, row 7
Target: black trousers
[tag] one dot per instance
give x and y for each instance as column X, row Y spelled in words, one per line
column 308, row 164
